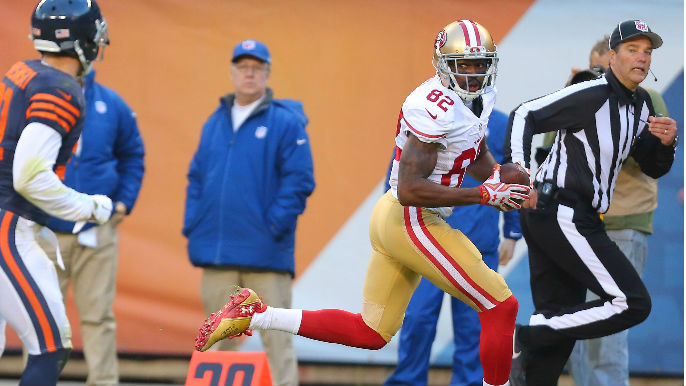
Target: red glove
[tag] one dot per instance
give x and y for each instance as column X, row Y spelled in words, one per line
column 502, row 196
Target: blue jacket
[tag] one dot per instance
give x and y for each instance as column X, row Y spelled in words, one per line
column 246, row 189
column 109, row 158
column 480, row 222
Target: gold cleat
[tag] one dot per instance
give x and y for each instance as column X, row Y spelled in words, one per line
column 232, row 320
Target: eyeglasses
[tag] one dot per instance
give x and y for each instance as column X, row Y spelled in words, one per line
column 246, row 68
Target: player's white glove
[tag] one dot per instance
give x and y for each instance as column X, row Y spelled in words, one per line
column 502, row 196
column 102, row 208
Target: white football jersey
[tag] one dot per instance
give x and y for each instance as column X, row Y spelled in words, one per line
column 435, row 114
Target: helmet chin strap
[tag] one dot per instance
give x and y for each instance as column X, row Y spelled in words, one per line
column 86, row 66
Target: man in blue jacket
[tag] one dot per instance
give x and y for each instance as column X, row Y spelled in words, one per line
column 107, row 160
column 480, row 224
column 247, row 184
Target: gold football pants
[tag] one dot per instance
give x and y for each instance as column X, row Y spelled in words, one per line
column 410, row 242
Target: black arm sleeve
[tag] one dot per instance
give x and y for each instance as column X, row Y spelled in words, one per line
column 654, row 158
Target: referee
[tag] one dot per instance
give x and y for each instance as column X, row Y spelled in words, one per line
column 599, row 124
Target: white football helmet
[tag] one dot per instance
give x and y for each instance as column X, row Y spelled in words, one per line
column 465, row 40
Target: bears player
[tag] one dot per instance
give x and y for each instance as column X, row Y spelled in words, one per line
column 41, row 117
column 440, row 137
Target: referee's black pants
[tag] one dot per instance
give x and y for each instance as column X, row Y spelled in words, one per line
column 570, row 252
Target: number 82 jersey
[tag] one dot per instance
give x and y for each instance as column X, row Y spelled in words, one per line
column 435, row 114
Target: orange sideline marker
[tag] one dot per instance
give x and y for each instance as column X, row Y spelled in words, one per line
column 228, row 368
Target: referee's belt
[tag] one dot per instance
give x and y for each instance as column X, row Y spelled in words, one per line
column 564, row 196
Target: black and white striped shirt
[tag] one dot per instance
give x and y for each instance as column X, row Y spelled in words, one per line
column 599, row 123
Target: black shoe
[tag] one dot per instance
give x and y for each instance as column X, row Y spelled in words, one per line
column 518, row 373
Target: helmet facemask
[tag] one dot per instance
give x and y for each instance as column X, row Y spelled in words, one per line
column 94, row 50
column 448, row 69
column 465, row 40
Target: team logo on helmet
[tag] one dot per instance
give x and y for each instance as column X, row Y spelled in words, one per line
column 641, row 25
column 441, row 38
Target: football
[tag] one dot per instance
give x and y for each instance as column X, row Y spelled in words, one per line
column 512, row 173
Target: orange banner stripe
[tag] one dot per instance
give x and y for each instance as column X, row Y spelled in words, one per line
column 51, row 106
column 23, row 283
column 54, row 117
column 59, row 101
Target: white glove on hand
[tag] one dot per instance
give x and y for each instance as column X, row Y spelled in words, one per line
column 102, row 208
column 502, row 196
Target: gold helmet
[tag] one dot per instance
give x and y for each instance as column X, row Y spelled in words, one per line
column 460, row 40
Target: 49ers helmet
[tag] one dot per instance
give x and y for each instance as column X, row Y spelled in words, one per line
column 73, row 27
column 465, row 40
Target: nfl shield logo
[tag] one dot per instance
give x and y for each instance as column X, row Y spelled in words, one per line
column 474, row 49
column 261, row 132
column 641, row 25
column 100, row 107
column 248, row 45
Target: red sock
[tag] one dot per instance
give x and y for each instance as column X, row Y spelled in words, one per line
column 497, row 327
column 338, row 326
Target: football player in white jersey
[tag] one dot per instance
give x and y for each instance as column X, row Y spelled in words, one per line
column 440, row 137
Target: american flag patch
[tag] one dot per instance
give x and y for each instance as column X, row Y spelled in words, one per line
column 62, row 33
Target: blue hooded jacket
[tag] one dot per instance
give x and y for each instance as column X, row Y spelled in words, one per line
column 109, row 159
column 246, row 189
column 480, row 222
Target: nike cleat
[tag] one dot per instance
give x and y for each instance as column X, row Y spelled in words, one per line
column 518, row 370
column 232, row 320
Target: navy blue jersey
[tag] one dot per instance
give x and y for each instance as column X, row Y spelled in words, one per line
column 34, row 92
